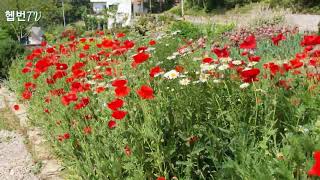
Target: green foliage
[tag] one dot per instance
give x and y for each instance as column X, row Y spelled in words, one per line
column 51, row 14
column 215, row 31
column 9, row 49
column 304, row 6
column 188, row 30
column 208, row 5
column 149, row 23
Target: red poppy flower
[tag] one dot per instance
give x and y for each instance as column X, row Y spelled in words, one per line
column 44, row 43
column 50, row 81
column 86, row 47
column 115, row 104
column 77, row 66
column 221, row 53
column 207, row 60
column 72, row 37
column 315, row 170
column 145, row 92
column 152, row 42
column 284, row 84
column 112, row 124
column 179, row 68
column 119, row 82
column 42, row 65
column 66, row 135
column 286, row 66
column 87, row 130
column 100, row 89
column 83, row 103
column 29, row 85
column 140, row 57
column 25, row 70
column 61, row 66
column 59, row 75
column 118, row 114
column 250, row 75
column 142, row 48
column 277, row 39
column 127, row 150
column 67, row 99
column 36, row 75
column 26, row 95
column 50, row 50
column 154, row 71
column 60, row 138
column 274, row 68
column 76, row 87
column 254, row 58
column 82, row 40
column 47, row 99
column 128, row 44
column 120, row 35
column 122, row 91
column 310, row 40
column 16, row 107
column 161, row 178
column 82, row 55
column 296, row 63
column 249, row 43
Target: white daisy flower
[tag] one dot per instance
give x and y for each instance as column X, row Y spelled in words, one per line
column 203, row 77
column 102, row 84
column 175, row 54
column 244, row 85
column 196, row 59
column 171, row 57
column 150, row 49
column 158, row 74
column 236, row 62
column 247, row 68
column 228, row 59
column 252, row 64
column 223, row 67
column 91, row 82
column 173, row 74
column 184, row 81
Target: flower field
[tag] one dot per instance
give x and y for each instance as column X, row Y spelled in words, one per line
column 123, row 106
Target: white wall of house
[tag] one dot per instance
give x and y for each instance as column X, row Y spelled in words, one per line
column 124, row 10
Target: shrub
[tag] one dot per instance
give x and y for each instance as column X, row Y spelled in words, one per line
column 9, row 50
column 215, row 31
column 188, row 30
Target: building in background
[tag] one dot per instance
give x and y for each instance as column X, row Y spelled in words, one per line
column 125, row 10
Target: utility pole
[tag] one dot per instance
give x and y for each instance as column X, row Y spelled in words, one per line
column 182, row 8
column 150, row 6
column 64, row 18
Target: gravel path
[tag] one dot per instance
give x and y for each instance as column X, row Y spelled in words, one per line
column 15, row 161
column 305, row 22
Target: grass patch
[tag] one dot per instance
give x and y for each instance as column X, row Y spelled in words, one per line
column 7, row 121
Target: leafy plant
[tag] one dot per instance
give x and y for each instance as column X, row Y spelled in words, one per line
column 9, row 50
